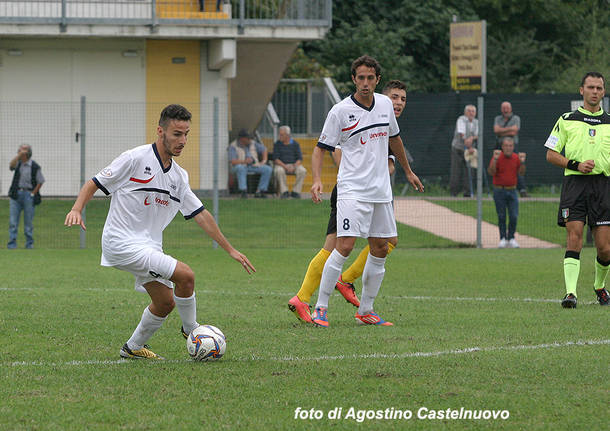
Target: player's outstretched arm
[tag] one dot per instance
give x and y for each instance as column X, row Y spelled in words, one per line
column 399, row 152
column 75, row 215
column 206, row 221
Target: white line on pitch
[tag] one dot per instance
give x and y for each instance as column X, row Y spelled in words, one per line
column 255, row 293
column 405, row 355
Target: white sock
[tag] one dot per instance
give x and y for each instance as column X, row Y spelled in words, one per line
column 145, row 329
column 330, row 275
column 187, row 308
column 374, row 270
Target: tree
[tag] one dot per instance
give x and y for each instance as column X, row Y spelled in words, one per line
column 532, row 46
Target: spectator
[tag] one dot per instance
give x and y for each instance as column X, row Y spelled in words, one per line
column 23, row 193
column 463, row 144
column 248, row 156
column 504, row 168
column 508, row 125
column 288, row 160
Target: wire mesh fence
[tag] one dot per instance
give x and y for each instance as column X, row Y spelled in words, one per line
column 432, row 219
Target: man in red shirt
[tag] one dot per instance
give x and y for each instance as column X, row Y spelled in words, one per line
column 504, row 168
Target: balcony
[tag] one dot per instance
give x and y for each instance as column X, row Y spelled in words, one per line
column 279, row 19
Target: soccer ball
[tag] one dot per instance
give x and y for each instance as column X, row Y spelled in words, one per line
column 206, row 343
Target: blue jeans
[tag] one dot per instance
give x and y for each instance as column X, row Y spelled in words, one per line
column 507, row 199
column 25, row 203
column 241, row 172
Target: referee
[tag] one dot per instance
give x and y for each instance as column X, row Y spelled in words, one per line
column 584, row 137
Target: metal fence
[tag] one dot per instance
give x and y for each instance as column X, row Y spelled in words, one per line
column 154, row 12
column 432, row 219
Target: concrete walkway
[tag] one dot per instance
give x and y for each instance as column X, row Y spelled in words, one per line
column 457, row 227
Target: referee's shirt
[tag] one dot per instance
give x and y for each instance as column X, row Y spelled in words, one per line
column 583, row 135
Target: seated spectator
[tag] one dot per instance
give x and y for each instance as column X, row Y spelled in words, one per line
column 288, row 160
column 246, row 156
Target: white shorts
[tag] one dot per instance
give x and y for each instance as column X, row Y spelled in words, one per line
column 149, row 265
column 365, row 219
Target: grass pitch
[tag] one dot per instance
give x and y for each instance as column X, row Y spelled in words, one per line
column 481, row 330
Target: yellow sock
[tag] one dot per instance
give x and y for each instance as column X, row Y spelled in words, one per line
column 601, row 271
column 313, row 275
column 356, row 269
column 571, row 269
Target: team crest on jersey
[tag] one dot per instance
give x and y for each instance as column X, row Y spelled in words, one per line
column 565, row 213
column 592, row 132
column 106, row 172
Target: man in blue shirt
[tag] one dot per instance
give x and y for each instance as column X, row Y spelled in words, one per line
column 288, row 160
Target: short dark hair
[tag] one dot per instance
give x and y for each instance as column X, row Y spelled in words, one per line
column 592, row 75
column 367, row 61
column 173, row 112
column 395, row 83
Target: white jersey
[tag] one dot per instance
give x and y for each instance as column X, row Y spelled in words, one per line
column 145, row 199
column 363, row 134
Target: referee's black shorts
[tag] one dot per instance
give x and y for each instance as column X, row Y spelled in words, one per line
column 585, row 198
column 332, row 220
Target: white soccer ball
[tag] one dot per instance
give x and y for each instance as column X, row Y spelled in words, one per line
column 206, row 343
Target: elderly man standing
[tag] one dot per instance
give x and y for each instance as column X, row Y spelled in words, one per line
column 288, row 160
column 23, row 193
column 463, row 143
column 508, row 125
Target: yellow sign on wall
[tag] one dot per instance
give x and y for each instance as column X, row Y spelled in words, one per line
column 467, row 56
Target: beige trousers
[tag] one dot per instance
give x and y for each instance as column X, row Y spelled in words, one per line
column 280, row 178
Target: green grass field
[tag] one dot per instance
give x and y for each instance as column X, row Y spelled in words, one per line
column 480, row 330
column 474, row 329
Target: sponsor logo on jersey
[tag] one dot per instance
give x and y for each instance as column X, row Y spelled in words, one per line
column 592, row 132
column 322, row 138
column 351, row 117
column 592, row 120
column 361, row 141
column 173, row 186
column 106, row 172
column 146, row 202
column 378, row 135
column 163, row 202
column 147, row 171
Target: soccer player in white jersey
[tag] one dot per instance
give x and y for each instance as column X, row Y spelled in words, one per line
column 148, row 188
column 362, row 124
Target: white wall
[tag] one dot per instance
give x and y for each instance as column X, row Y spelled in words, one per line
column 40, row 93
column 212, row 85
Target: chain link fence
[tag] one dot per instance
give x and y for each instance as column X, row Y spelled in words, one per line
column 432, row 219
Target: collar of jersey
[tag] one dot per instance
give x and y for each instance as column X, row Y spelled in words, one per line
column 165, row 171
column 584, row 111
column 361, row 105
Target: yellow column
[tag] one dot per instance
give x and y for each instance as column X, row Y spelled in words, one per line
column 173, row 76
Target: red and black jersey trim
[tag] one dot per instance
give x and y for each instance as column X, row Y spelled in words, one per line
column 153, row 189
column 368, row 127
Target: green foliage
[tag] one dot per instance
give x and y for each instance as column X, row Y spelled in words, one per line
column 533, row 46
column 476, row 329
